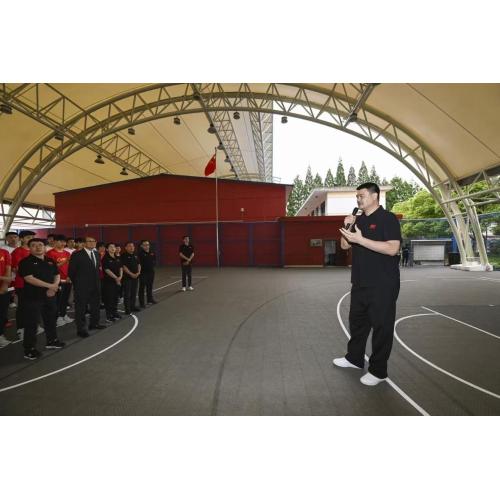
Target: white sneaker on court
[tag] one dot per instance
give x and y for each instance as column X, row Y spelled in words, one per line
column 60, row 321
column 343, row 363
column 67, row 319
column 3, row 341
column 369, row 379
column 190, row 288
column 183, row 288
column 39, row 330
column 20, row 333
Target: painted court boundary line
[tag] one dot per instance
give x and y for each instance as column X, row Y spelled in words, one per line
column 432, row 365
column 136, row 324
column 388, row 380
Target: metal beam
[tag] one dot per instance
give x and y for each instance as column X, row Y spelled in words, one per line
column 262, row 131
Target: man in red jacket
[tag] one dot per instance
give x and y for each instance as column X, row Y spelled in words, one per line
column 5, row 278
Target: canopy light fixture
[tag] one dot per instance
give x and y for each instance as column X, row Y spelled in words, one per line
column 353, row 117
column 236, row 115
column 284, row 119
column 177, row 120
column 99, row 160
column 131, row 131
column 211, row 129
column 58, row 135
column 124, row 171
column 6, row 108
column 220, row 147
column 226, row 159
column 196, row 96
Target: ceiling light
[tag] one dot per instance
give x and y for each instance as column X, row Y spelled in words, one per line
column 211, row 129
column 236, row 115
column 353, row 117
column 177, row 120
column 284, row 119
column 99, row 160
column 59, row 135
column 220, row 147
column 131, row 131
column 196, row 96
column 124, row 171
column 227, row 160
column 6, row 108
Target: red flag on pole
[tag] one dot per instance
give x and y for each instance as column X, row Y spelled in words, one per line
column 211, row 165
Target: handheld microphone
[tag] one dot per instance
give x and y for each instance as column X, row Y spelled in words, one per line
column 356, row 212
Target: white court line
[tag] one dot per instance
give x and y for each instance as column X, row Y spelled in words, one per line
column 388, row 380
column 466, row 382
column 136, row 323
column 488, row 279
column 462, row 323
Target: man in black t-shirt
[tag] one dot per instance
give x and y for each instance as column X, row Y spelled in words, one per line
column 131, row 273
column 186, row 253
column 375, row 239
column 41, row 283
column 147, row 258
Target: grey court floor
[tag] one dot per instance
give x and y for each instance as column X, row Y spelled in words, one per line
column 261, row 341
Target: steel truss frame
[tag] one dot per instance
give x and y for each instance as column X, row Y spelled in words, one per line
column 327, row 107
column 32, row 215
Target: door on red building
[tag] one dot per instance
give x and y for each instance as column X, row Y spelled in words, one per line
column 329, row 247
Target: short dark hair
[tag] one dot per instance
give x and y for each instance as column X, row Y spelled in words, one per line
column 100, row 244
column 70, row 238
column 11, row 232
column 186, row 236
column 370, row 187
column 144, row 241
column 128, row 243
column 109, row 244
column 51, row 235
column 26, row 232
column 60, row 237
column 79, row 240
column 35, row 240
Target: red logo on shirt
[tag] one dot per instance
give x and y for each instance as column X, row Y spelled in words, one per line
column 373, row 226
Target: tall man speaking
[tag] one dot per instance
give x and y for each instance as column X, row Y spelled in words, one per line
column 375, row 238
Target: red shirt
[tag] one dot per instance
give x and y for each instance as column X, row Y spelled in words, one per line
column 61, row 258
column 5, row 260
column 18, row 255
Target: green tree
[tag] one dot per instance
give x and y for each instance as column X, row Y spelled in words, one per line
column 329, row 180
column 401, row 190
column 308, row 182
column 318, row 181
column 363, row 175
column 374, row 176
column 296, row 197
column 340, row 175
column 351, row 177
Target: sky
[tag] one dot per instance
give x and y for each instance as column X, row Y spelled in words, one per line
column 299, row 143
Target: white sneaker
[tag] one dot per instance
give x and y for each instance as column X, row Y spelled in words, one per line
column 60, row 321
column 39, row 330
column 67, row 319
column 369, row 379
column 12, row 305
column 190, row 288
column 20, row 333
column 3, row 341
column 183, row 288
column 343, row 363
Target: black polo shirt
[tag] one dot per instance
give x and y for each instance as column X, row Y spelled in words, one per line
column 147, row 260
column 43, row 269
column 113, row 264
column 187, row 251
column 371, row 268
column 131, row 261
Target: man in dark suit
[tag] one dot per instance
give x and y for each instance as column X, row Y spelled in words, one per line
column 84, row 274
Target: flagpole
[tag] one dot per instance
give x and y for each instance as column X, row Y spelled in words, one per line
column 217, row 211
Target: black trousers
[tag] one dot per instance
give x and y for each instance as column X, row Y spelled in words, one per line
column 4, row 308
column 84, row 297
column 372, row 308
column 110, row 292
column 130, row 293
column 62, row 299
column 186, row 273
column 146, row 284
column 19, row 309
column 47, row 308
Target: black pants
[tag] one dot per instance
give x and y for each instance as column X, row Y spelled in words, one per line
column 130, row 294
column 110, row 292
column 146, row 283
column 62, row 299
column 372, row 307
column 4, row 307
column 84, row 297
column 19, row 310
column 47, row 308
column 186, row 272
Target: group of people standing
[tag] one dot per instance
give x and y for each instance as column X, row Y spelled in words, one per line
column 45, row 273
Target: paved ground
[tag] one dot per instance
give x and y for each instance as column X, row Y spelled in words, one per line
column 260, row 342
